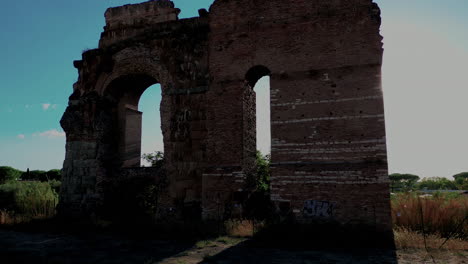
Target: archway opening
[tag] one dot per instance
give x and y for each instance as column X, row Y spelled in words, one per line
column 151, row 136
column 257, row 127
column 126, row 92
column 258, row 80
column 262, row 113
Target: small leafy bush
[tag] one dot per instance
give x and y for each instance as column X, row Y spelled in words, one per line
column 156, row 159
column 263, row 172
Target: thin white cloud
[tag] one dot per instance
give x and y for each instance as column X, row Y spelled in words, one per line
column 54, row 106
column 53, row 133
column 45, row 106
column 21, row 136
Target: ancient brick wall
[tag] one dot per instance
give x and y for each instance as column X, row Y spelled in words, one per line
column 328, row 134
column 327, row 120
column 102, row 137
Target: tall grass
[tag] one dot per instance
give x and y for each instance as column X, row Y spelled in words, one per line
column 28, row 199
column 442, row 215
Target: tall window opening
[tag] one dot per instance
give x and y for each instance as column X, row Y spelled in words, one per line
column 151, row 133
column 258, row 79
column 262, row 113
column 257, row 125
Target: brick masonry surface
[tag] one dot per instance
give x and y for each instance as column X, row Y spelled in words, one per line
column 327, row 118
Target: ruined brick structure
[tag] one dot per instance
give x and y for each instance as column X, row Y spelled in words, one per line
column 327, row 119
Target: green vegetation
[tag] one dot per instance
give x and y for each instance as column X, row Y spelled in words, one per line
column 203, row 244
column 54, row 174
column 30, row 199
column 263, row 172
column 39, row 175
column 437, row 183
column 8, row 174
column 404, row 182
column 461, row 180
column 410, row 182
column 27, row 195
column 156, row 159
column 262, row 183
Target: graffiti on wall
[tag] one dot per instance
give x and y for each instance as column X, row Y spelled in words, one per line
column 314, row 208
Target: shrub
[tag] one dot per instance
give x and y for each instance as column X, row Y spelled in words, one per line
column 54, row 175
column 461, row 180
column 55, row 185
column 28, row 198
column 440, row 214
column 263, row 172
column 34, row 175
column 156, row 159
column 8, row 174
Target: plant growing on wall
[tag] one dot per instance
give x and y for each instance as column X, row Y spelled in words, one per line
column 156, row 159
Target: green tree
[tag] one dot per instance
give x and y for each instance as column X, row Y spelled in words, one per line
column 461, row 180
column 35, row 175
column 54, row 174
column 436, row 183
column 8, row 174
column 263, row 172
column 403, row 182
column 156, row 159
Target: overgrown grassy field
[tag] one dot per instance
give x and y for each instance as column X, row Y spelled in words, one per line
column 419, row 221
column 22, row 201
column 441, row 214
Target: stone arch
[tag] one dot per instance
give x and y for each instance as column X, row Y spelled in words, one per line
column 130, row 77
column 252, row 76
column 125, row 92
column 256, row 73
column 134, row 66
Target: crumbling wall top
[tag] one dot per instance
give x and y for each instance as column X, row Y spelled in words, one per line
column 147, row 13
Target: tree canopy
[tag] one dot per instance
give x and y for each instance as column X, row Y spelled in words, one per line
column 8, row 174
column 461, row 180
column 403, row 182
column 40, row 175
column 437, row 183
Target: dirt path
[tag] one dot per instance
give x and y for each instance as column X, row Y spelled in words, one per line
column 21, row 247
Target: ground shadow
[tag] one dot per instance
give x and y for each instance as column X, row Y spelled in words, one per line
column 324, row 243
column 248, row 252
column 21, row 247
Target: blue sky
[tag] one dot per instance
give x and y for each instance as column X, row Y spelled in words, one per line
column 426, row 50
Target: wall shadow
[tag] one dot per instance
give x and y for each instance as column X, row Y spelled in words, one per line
column 324, row 243
column 253, row 252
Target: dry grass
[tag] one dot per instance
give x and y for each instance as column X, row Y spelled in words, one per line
column 239, row 228
column 437, row 215
column 412, row 248
column 406, row 239
column 11, row 218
